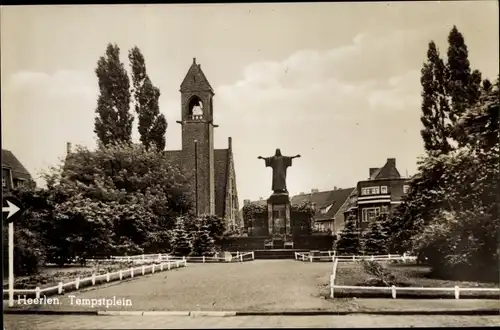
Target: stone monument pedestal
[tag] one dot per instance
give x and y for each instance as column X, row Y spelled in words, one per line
column 278, row 214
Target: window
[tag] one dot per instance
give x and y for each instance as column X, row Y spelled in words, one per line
column 323, row 210
column 406, row 189
column 384, row 209
column 19, row 183
column 370, row 191
column 4, row 183
column 370, row 213
column 383, row 189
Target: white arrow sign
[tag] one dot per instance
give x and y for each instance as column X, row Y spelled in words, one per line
column 11, row 209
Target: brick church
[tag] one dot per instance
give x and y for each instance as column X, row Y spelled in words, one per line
column 211, row 171
column 214, row 181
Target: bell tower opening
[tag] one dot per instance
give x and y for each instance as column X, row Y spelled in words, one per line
column 195, row 108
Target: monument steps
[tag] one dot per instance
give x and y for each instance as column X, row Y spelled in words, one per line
column 277, row 253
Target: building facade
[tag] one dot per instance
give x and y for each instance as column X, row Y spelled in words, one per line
column 14, row 174
column 380, row 194
column 330, row 207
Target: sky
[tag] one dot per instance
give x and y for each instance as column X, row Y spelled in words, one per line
column 338, row 83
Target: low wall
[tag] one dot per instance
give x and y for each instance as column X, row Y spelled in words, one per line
column 309, row 242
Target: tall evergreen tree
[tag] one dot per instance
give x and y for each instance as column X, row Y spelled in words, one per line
column 152, row 124
column 349, row 243
column 375, row 240
column 113, row 122
column 435, row 108
column 463, row 85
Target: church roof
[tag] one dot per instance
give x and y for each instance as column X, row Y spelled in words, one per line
column 195, row 80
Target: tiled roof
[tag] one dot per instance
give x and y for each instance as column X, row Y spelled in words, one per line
column 333, row 199
column 10, row 161
column 388, row 171
column 195, row 79
column 221, row 169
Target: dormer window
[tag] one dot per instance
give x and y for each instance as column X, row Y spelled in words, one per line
column 325, row 210
column 383, row 189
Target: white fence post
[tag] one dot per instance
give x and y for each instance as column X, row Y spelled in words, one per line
column 93, row 279
column 457, row 292
column 60, row 288
column 353, row 258
column 37, row 292
column 253, row 255
column 404, row 257
column 77, row 283
column 153, row 269
column 161, row 266
column 332, row 277
column 393, row 288
column 132, row 272
column 143, row 257
column 178, row 263
column 372, row 258
column 203, row 259
column 241, row 257
column 107, row 277
column 143, row 269
column 168, row 265
column 184, row 259
column 120, row 273
column 310, row 258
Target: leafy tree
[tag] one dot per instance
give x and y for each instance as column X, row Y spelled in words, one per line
column 349, row 243
column 152, row 124
column 118, row 198
column 435, row 108
column 375, row 240
column 203, row 243
column 113, row 122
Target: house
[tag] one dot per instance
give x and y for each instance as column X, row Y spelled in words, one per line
column 380, row 194
column 210, row 171
column 14, row 174
column 330, row 207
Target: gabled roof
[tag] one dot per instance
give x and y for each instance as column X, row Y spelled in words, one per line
column 388, row 171
column 333, row 199
column 195, row 80
column 10, row 161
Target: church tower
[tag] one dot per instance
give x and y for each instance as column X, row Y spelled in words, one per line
column 198, row 137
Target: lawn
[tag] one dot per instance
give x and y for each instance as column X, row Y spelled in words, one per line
column 271, row 285
column 50, row 276
column 409, row 275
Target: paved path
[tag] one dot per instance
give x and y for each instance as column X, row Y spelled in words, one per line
column 248, row 286
column 32, row 322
